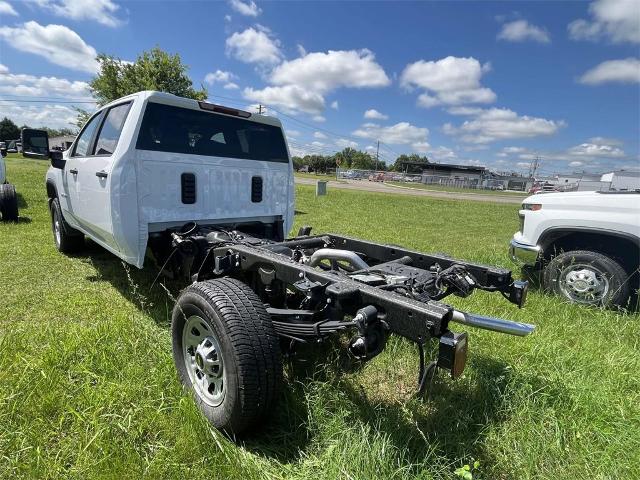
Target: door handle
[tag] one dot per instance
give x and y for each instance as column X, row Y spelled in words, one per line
column 74, row 171
column 102, row 174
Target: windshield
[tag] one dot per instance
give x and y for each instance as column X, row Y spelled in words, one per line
column 166, row 128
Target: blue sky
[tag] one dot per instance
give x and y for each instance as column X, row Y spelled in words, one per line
column 491, row 83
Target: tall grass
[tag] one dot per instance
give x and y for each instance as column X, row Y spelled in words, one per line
column 88, row 388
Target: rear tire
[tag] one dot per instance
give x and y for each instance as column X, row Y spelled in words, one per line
column 227, row 353
column 66, row 238
column 586, row 277
column 8, row 203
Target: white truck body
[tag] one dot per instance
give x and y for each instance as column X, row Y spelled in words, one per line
column 618, row 213
column 118, row 199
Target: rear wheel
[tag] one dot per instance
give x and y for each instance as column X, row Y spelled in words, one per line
column 8, row 203
column 66, row 238
column 227, row 353
column 586, row 277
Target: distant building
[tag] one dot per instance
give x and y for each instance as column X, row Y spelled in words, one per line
column 464, row 176
column 61, row 143
column 622, row 180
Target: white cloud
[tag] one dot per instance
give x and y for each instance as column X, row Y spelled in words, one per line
column 41, row 115
column 32, row 86
column 616, row 20
column 219, row 76
column 421, row 147
column 619, row 71
column 502, row 124
column 227, row 18
column 249, row 9
column 318, row 118
column 317, row 144
column 596, row 150
column 334, row 105
column 7, row 9
column 254, row 45
column 448, row 81
column 521, row 30
column 101, row 11
column 56, row 43
column 3, row 68
column 301, row 84
column 464, row 110
column 290, row 98
column 402, row 133
column 576, row 163
column 319, row 135
column 324, row 72
column 606, row 141
column 442, row 154
column 374, row 114
column 292, row 133
column 345, row 143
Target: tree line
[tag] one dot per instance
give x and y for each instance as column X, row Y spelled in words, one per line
column 350, row 158
column 10, row 131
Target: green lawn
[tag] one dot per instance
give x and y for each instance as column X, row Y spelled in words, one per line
column 88, row 388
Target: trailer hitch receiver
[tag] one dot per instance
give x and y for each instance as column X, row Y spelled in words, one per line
column 452, row 352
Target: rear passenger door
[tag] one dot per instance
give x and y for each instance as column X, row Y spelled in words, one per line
column 94, row 171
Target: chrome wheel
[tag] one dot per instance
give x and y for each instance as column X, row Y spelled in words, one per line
column 583, row 283
column 203, row 360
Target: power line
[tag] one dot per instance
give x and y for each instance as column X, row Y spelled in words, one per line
column 53, row 102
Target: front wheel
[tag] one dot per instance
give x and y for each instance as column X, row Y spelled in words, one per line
column 227, row 353
column 8, row 203
column 586, row 277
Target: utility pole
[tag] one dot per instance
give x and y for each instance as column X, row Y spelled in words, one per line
column 260, row 107
column 533, row 168
column 377, row 152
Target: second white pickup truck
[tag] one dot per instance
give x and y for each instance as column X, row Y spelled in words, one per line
column 586, row 244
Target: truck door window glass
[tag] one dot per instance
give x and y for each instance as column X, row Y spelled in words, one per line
column 111, row 129
column 82, row 145
column 166, row 128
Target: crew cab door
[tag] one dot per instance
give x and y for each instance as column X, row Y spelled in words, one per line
column 91, row 203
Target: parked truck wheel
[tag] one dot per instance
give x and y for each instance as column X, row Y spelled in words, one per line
column 8, row 203
column 66, row 238
column 587, row 277
column 227, row 353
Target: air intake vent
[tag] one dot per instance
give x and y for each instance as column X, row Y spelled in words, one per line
column 256, row 189
column 188, row 184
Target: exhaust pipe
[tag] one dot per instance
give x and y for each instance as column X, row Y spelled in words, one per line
column 493, row 324
column 337, row 255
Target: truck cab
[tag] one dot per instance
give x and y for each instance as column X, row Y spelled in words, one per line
column 151, row 162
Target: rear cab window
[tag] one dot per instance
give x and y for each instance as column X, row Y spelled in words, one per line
column 166, row 128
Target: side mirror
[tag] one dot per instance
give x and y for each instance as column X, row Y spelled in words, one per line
column 35, row 143
column 56, row 159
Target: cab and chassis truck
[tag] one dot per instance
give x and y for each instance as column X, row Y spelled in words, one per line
column 207, row 192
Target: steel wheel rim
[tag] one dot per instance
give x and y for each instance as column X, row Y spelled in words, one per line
column 584, row 283
column 56, row 228
column 203, row 360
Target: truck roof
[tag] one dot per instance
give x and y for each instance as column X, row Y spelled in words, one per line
column 176, row 101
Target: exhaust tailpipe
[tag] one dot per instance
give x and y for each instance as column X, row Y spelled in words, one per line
column 493, row 324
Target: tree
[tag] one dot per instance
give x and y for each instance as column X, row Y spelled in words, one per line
column 399, row 166
column 8, row 130
column 152, row 70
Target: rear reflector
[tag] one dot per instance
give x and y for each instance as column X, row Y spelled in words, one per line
column 452, row 352
column 212, row 107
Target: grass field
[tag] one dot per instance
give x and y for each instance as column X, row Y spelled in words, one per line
column 88, row 388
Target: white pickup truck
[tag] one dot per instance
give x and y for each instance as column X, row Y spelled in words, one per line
column 8, row 196
column 586, row 244
column 207, row 191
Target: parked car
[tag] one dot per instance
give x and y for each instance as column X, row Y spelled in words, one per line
column 585, row 245
column 376, row 177
column 208, row 190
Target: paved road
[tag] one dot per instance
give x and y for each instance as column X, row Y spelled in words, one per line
column 384, row 188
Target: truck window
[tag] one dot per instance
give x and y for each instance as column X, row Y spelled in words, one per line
column 82, row 145
column 111, row 129
column 166, row 128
